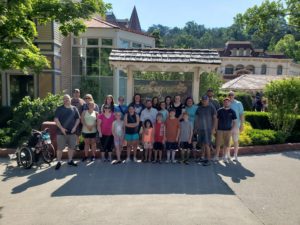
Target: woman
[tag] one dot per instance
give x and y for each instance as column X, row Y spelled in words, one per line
column 105, row 121
column 155, row 103
column 137, row 104
column 109, row 100
column 89, row 130
column 178, row 106
column 131, row 122
column 89, row 98
column 191, row 109
column 168, row 101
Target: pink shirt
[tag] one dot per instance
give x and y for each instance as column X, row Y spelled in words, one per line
column 106, row 124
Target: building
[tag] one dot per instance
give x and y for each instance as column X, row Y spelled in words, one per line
column 240, row 57
column 77, row 62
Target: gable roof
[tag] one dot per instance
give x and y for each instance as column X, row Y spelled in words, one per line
column 134, row 22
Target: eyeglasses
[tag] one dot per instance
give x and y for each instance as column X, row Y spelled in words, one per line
column 87, row 98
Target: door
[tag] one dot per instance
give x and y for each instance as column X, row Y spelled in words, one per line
column 20, row 86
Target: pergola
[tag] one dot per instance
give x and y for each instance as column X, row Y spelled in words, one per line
column 196, row 61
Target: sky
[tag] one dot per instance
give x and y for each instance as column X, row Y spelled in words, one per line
column 171, row 13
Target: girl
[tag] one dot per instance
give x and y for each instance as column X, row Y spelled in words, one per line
column 155, row 103
column 163, row 111
column 168, row 101
column 109, row 100
column 89, row 130
column 148, row 139
column 118, row 131
column 105, row 121
column 131, row 122
column 159, row 137
column 178, row 106
column 137, row 104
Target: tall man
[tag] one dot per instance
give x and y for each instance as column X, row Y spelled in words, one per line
column 212, row 100
column 205, row 126
column 238, row 108
column 67, row 120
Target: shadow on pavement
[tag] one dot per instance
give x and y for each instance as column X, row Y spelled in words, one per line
column 292, row 154
column 136, row 178
column 236, row 171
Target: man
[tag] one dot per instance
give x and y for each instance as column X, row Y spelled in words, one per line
column 149, row 112
column 205, row 126
column 121, row 106
column 226, row 120
column 238, row 108
column 78, row 103
column 212, row 100
column 67, row 120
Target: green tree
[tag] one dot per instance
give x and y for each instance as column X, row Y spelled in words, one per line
column 289, row 46
column 210, row 80
column 283, row 103
column 158, row 39
column 18, row 30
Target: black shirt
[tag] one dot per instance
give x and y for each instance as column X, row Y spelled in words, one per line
column 131, row 119
column 225, row 118
column 178, row 109
column 67, row 117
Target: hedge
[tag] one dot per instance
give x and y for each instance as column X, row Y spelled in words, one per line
column 243, row 97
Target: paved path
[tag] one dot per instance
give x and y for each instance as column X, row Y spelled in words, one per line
column 260, row 190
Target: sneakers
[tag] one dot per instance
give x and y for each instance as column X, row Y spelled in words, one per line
column 235, row 158
column 58, row 165
column 174, row 161
column 127, row 160
column 83, row 159
column 135, row 159
column 167, row 161
column 225, row 160
column 71, row 163
column 216, row 159
column 93, row 158
column 207, row 163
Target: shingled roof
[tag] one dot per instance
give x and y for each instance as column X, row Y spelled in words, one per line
column 204, row 56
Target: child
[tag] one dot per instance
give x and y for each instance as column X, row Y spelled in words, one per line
column 164, row 112
column 185, row 137
column 172, row 135
column 159, row 136
column 118, row 131
column 148, row 139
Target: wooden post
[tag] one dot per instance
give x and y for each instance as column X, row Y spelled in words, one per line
column 116, row 83
column 196, row 84
column 130, row 85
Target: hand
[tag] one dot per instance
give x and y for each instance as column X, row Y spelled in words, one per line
column 63, row 130
column 100, row 135
column 190, row 142
column 73, row 130
column 213, row 130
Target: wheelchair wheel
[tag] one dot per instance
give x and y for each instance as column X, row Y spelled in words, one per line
column 25, row 157
column 48, row 153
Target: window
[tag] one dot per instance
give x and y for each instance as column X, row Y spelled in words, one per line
column 263, row 69
column 104, row 62
column 241, row 52
column 147, row 46
column 124, row 44
column 107, row 42
column 78, row 61
column 79, row 41
column 251, row 68
column 136, row 45
column 229, row 69
column 92, row 61
column 92, row 41
column 279, row 70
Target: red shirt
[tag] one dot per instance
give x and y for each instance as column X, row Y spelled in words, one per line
column 172, row 127
column 159, row 132
column 106, row 124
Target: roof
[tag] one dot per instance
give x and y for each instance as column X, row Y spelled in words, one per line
column 134, row 22
column 250, row 82
column 204, row 56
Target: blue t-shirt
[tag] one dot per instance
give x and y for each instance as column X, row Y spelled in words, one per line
column 238, row 108
column 225, row 118
column 192, row 112
column 121, row 108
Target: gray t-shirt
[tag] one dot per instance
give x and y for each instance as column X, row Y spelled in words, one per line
column 204, row 117
column 67, row 117
column 185, row 131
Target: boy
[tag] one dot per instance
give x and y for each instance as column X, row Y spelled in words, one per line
column 172, row 135
column 185, row 138
column 159, row 136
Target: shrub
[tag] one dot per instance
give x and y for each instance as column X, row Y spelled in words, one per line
column 6, row 115
column 258, row 120
column 266, row 137
column 5, row 138
column 243, row 97
column 245, row 139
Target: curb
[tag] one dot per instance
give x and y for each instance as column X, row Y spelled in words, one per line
column 249, row 150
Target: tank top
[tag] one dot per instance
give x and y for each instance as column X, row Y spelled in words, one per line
column 118, row 128
column 90, row 119
column 159, row 132
column 131, row 119
column 148, row 135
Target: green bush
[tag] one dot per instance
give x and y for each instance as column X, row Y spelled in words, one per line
column 266, row 137
column 5, row 138
column 243, row 97
column 258, row 120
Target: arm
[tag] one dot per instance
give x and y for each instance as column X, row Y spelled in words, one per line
column 82, row 118
column 58, row 124
column 113, row 129
column 99, row 121
column 242, row 117
column 215, row 122
column 76, row 125
column 178, row 133
column 191, row 135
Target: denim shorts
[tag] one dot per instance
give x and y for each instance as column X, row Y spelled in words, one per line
column 171, row 146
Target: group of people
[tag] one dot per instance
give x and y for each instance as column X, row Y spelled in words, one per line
column 169, row 125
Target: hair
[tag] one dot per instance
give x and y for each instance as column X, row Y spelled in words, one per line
column 185, row 114
column 188, row 98
column 148, row 100
column 168, row 96
column 156, row 99
column 136, row 94
column 76, row 90
column 159, row 115
column 118, row 113
column 90, row 96
column 148, row 121
column 112, row 102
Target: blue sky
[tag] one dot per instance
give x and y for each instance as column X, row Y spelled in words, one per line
column 211, row 13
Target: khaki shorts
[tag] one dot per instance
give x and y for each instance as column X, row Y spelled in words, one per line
column 69, row 140
column 235, row 134
column 223, row 137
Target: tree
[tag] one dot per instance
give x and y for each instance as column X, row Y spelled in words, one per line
column 289, row 46
column 18, row 20
column 283, row 103
column 210, row 80
column 158, row 39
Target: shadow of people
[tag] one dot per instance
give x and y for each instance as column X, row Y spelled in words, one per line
column 236, row 171
column 292, row 154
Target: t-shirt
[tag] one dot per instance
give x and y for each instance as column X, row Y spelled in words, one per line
column 191, row 110
column 165, row 114
column 85, row 107
column 204, row 117
column 138, row 108
column 106, row 124
column 159, row 132
column 172, row 127
column 238, row 108
column 67, row 117
column 185, row 131
column 90, row 120
column 78, row 103
column 148, row 135
column 178, row 109
column 149, row 115
column 122, row 109
column 225, row 118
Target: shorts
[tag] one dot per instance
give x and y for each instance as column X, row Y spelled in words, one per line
column 185, row 145
column 78, row 129
column 204, row 137
column 223, row 136
column 148, row 145
column 107, row 143
column 171, row 146
column 235, row 134
column 63, row 141
column 132, row 137
column 159, row 146
column 118, row 141
column 89, row 135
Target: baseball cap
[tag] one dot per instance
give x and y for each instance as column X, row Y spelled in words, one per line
column 204, row 97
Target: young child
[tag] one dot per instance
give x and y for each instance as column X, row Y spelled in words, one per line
column 159, row 136
column 148, row 139
column 118, row 131
column 172, row 135
column 164, row 112
column 185, row 138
